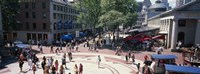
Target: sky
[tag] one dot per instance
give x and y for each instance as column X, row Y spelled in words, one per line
column 171, row 2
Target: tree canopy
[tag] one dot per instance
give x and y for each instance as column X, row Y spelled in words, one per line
column 111, row 19
column 109, row 13
column 90, row 11
column 9, row 10
column 126, row 7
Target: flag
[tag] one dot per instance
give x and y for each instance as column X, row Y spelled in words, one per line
column 70, row 24
column 66, row 24
column 59, row 24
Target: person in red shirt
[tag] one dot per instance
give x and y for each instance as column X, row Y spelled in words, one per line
column 145, row 57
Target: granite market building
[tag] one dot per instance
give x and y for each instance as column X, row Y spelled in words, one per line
column 181, row 23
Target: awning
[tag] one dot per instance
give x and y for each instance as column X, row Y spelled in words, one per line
column 162, row 56
column 133, row 30
column 182, row 69
column 148, row 28
column 22, row 45
column 159, row 37
column 82, row 34
column 66, row 37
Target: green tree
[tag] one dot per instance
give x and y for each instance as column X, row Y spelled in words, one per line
column 131, row 19
column 124, row 6
column 90, row 12
column 111, row 19
column 127, row 7
column 9, row 10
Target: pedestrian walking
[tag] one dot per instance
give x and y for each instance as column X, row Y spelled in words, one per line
column 34, row 68
column 133, row 58
column 29, row 59
column 43, row 64
column 38, row 43
column 95, row 47
column 51, row 49
column 64, row 61
column 61, row 48
column 76, row 47
column 56, row 64
column 21, row 62
column 51, row 61
column 41, row 49
column 62, row 71
column 138, row 67
column 80, row 69
column 57, row 50
column 126, row 58
column 75, row 69
column 53, row 70
column 145, row 57
column 70, row 56
column 35, row 60
column 99, row 60
column 48, row 63
column 30, row 64
column 129, row 54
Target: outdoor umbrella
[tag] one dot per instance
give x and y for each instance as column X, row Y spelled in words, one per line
column 67, row 37
column 82, row 34
column 22, row 45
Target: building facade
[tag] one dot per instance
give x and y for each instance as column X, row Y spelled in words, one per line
column 141, row 11
column 182, row 2
column 179, row 24
column 1, row 29
column 149, row 10
column 44, row 20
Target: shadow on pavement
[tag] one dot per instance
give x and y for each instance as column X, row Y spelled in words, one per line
column 6, row 61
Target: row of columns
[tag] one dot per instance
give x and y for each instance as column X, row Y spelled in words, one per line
column 170, row 25
column 174, row 33
column 165, row 26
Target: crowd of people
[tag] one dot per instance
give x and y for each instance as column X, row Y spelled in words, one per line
column 53, row 66
column 48, row 65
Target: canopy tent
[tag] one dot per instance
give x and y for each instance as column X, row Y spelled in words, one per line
column 159, row 37
column 71, row 35
column 182, row 69
column 129, row 38
column 82, row 34
column 140, row 37
column 161, row 56
column 18, row 42
column 66, row 37
column 23, row 45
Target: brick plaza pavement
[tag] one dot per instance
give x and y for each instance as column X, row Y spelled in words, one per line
column 111, row 64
